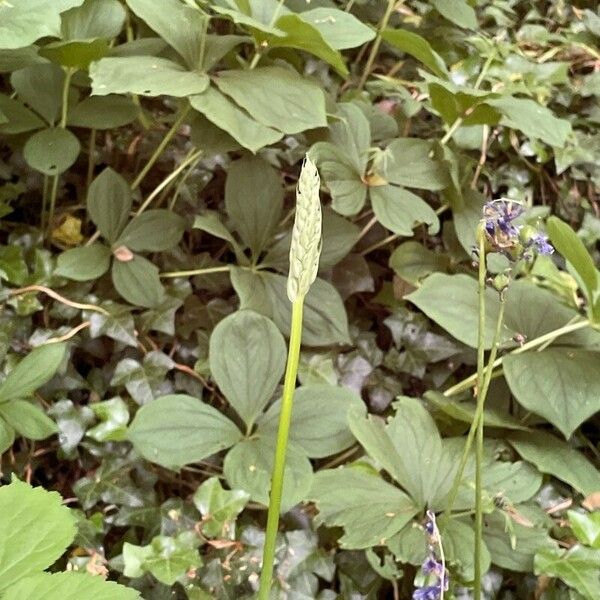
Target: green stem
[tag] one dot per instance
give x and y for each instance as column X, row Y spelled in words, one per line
column 285, row 416
column 206, row 271
column 376, row 44
column 163, row 144
column 258, row 51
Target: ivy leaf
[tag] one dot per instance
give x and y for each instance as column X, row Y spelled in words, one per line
column 31, row 373
column 177, row 430
column 35, row 529
column 586, row 527
column 247, row 360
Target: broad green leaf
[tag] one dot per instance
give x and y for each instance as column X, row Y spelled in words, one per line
column 152, row 231
column 325, row 319
column 212, row 139
column 167, row 558
column 578, row 568
column 302, row 35
column 219, row 508
column 247, row 359
column 27, row 420
column 339, row 28
column 512, row 545
column 248, row 466
column 7, row 436
column 25, row 21
column 586, row 526
column 407, row 161
column 177, row 430
column 276, row 97
column 84, row 263
column 31, row 373
column 19, row 58
column 400, row 211
column 459, row 538
column 416, row 46
column 532, row 119
column 40, row 87
column 227, row 115
column 243, row 18
column 412, row 261
column 459, row 12
column 35, row 529
column 18, row 118
column 137, row 281
column 210, row 221
column 146, row 76
column 181, row 26
column 51, row 151
column 109, row 203
column 319, row 423
column 570, row 246
column 103, row 112
column 254, row 201
column 453, row 103
column 76, row 54
column 368, row 508
column 559, row 384
column 557, row 458
column 93, row 19
column 68, row 586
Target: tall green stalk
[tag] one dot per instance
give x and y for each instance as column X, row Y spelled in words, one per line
column 305, row 251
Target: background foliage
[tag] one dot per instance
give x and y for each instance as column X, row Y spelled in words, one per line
column 148, row 159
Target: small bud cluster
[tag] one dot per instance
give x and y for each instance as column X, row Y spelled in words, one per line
column 514, row 241
column 433, row 568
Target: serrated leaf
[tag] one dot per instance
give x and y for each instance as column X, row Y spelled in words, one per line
column 247, row 360
column 177, row 430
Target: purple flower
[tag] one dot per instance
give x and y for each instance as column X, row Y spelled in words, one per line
column 432, row 566
column 540, row 242
column 429, row 592
column 499, row 215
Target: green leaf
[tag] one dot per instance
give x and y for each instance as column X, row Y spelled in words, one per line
column 167, row 558
column 400, row 211
column 459, row 12
column 339, row 28
column 93, row 19
column 84, row 263
column 7, row 436
column 181, row 26
column 109, row 203
column 114, row 416
column 557, row 458
column 586, row 526
column 146, row 76
column 18, row 118
column 103, row 112
column 152, row 231
column 406, row 161
column 581, row 264
column 454, row 103
column 319, row 423
column 254, row 201
column 177, row 430
column 532, row 119
column 31, row 373
column 412, row 262
column 248, row 466
column 219, row 508
column 40, row 87
column 560, row 385
column 577, row 567
column 276, row 97
column 301, row 34
column 417, row 46
column 25, row 21
column 368, row 508
column 459, row 539
column 325, row 320
column 247, row 359
column 68, row 586
column 35, row 529
column 76, row 54
column 51, row 151
column 137, row 281
column 27, row 420
column 227, row 115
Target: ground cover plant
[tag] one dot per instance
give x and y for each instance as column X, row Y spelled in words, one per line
column 441, row 314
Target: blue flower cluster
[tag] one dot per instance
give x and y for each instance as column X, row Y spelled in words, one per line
column 514, row 241
column 433, row 568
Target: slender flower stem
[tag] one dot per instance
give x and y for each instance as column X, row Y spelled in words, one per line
column 191, row 273
column 285, row 416
column 376, row 44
